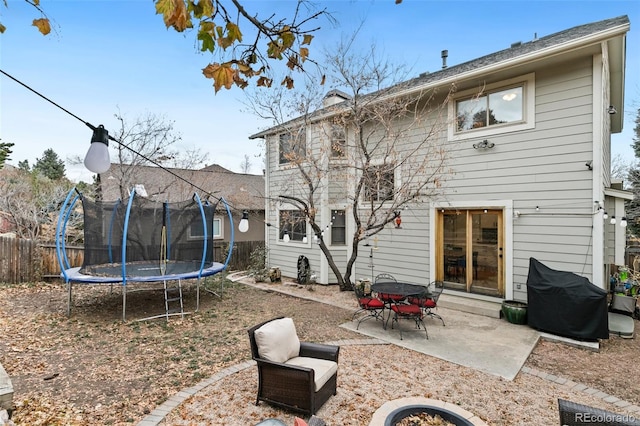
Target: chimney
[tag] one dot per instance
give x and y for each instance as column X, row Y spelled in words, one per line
column 334, row 97
column 444, row 55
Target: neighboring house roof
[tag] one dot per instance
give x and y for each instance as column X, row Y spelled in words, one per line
column 518, row 54
column 242, row 191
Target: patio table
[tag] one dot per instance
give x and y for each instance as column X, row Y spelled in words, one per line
column 402, row 289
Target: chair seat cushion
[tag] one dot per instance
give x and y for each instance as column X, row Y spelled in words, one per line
column 391, row 297
column 370, row 303
column 323, row 369
column 407, row 309
column 425, row 303
column 277, row 340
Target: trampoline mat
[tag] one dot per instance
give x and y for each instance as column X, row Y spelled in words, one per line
column 142, row 271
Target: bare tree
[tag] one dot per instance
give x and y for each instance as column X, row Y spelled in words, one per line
column 32, row 202
column 149, row 140
column 245, row 166
column 383, row 148
column 620, row 168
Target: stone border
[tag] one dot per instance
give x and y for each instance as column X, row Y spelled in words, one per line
column 570, row 384
column 388, row 407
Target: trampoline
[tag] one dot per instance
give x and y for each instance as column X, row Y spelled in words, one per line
column 141, row 241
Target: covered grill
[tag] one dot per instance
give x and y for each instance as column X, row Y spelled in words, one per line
column 565, row 304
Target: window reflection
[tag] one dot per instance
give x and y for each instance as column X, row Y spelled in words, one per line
column 503, row 106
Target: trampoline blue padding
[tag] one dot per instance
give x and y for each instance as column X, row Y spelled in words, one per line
column 141, row 272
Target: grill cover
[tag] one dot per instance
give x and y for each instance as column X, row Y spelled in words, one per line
column 565, row 304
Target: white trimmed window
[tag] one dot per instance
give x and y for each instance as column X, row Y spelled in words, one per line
column 498, row 108
column 338, row 141
column 196, row 230
column 293, row 223
column 379, row 183
column 338, row 228
column 292, row 146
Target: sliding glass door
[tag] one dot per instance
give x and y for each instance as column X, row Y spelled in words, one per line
column 470, row 234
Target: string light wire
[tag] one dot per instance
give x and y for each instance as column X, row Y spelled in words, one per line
column 92, row 127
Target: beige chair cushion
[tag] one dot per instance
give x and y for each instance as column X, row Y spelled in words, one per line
column 323, row 369
column 277, row 340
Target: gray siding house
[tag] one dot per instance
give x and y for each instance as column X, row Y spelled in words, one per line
column 530, row 178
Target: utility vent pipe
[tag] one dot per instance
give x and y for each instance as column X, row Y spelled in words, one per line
column 444, row 55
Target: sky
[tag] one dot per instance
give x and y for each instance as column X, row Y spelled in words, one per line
column 109, row 56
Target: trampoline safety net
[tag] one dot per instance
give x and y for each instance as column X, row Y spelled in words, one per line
column 161, row 238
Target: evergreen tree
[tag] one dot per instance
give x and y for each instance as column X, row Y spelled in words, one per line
column 50, row 165
column 5, row 151
column 24, row 165
column 633, row 206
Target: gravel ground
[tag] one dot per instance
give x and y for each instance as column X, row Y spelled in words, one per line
column 92, row 368
column 371, row 375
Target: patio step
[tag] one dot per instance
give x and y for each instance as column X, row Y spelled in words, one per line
column 6, row 390
column 487, row 308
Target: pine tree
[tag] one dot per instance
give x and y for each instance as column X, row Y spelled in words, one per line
column 5, row 152
column 50, row 165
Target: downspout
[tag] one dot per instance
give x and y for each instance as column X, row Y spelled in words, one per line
column 597, row 179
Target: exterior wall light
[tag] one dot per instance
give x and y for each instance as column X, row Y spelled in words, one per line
column 612, row 110
column 485, row 144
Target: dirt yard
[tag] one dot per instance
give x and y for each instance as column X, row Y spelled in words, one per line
column 93, row 368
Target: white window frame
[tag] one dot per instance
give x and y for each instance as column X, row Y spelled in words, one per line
column 191, row 236
column 220, row 234
column 306, row 228
column 344, row 211
column 332, row 129
column 527, row 82
column 296, row 132
column 396, row 180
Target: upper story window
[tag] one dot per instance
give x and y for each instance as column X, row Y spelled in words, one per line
column 338, row 228
column 503, row 107
column 294, row 224
column 379, row 183
column 292, row 146
column 338, row 141
column 492, row 109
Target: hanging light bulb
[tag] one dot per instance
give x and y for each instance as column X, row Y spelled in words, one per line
column 613, row 220
column 315, row 238
column 605, row 216
column 305, row 239
column 398, row 220
column 286, row 238
column 243, row 226
column 623, row 222
column 97, row 158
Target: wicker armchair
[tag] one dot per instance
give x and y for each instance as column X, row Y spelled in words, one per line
column 299, row 376
column 574, row 414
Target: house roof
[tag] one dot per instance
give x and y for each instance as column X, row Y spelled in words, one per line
column 241, row 191
column 610, row 30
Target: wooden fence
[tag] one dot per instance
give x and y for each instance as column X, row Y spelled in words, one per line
column 28, row 261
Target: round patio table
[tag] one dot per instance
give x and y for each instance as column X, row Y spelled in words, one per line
column 399, row 288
